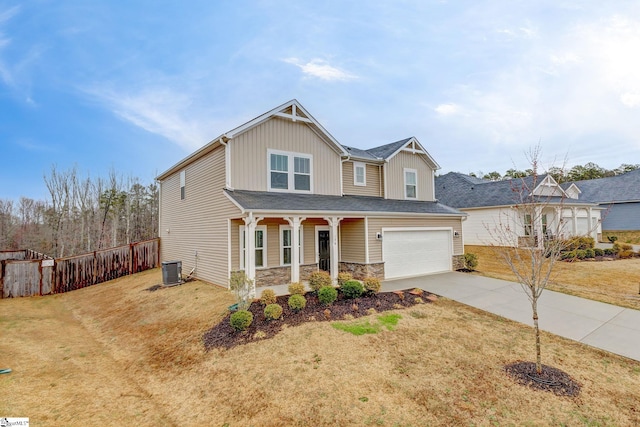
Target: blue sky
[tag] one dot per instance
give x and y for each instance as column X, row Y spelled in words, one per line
column 135, row 86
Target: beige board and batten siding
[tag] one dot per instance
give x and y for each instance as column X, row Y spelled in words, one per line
column 352, row 240
column 249, row 155
column 377, row 224
column 199, row 222
column 373, row 180
column 395, row 176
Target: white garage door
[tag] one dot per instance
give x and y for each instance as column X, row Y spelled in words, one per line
column 415, row 252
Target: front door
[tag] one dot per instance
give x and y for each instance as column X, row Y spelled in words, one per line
column 324, row 252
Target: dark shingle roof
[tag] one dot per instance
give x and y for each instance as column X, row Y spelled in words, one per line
column 377, row 153
column 272, row 201
column 619, row 188
column 463, row 191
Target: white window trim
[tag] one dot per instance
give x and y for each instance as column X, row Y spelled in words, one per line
column 182, row 185
column 301, row 242
column 262, row 228
column 357, row 165
column 415, row 172
column 290, row 172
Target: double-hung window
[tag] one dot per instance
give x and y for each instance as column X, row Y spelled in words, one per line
column 410, row 184
column 286, row 245
column 260, row 246
column 359, row 174
column 528, row 225
column 289, row 171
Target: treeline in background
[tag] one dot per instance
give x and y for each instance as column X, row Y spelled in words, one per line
column 81, row 214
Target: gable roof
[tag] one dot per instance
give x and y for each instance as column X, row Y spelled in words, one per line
column 291, row 110
column 619, row 188
column 263, row 201
column 388, row 151
column 463, row 191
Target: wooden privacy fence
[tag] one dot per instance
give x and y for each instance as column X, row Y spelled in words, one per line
column 29, row 273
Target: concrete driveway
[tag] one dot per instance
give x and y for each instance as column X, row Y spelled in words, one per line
column 605, row 326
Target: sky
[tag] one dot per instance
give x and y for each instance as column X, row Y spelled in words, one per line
column 136, row 86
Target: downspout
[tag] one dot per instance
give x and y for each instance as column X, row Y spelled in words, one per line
column 342, row 175
column 384, row 175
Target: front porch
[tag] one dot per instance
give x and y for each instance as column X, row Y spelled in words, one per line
column 540, row 224
column 264, row 247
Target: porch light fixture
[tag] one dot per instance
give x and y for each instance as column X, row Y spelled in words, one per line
column 379, row 236
column 456, row 234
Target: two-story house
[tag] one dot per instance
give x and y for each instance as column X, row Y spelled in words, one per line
column 279, row 198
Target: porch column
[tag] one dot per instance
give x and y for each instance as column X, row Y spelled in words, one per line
column 559, row 227
column 295, row 222
column 333, row 224
column 593, row 231
column 250, row 250
column 574, row 217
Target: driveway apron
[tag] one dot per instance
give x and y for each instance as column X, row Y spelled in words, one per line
column 604, row 326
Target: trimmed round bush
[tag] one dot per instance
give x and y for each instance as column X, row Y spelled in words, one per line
column 610, row 251
column 372, row 284
column 297, row 302
column 296, row 288
column 598, row 252
column 344, row 276
column 327, row 295
column 318, row 279
column 273, row 311
column 241, row 320
column 470, row 260
column 268, row 297
column 352, row 289
column 590, row 253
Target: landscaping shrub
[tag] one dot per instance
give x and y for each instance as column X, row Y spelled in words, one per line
column 610, row 251
column 352, row 289
column 589, row 253
column 598, row 252
column 372, row 284
column 327, row 295
column 241, row 320
column 568, row 255
column 268, row 297
column 625, row 254
column 612, row 239
column 318, row 279
column 296, row 288
column 344, row 276
column 579, row 243
column 470, row 261
column 581, row 254
column 297, row 302
column 273, row 311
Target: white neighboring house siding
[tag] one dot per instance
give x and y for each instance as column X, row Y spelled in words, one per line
column 480, row 227
column 249, row 155
column 199, row 222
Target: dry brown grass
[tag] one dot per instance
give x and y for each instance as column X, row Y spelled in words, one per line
column 615, row 282
column 116, row 354
column 632, row 237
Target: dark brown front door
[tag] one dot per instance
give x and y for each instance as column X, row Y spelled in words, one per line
column 324, row 253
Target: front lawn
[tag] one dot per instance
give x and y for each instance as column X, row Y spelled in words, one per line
column 615, row 282
column 116, row 353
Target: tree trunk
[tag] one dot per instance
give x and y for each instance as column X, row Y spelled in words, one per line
column 534, row 306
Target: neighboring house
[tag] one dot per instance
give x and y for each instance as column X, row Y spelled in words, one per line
column 493, row 204
column 619, row 196
column 279, row 198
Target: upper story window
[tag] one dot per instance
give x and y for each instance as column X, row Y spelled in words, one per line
column 359, row 174
column 289, row 171
column 182, row 182
column 410, row 184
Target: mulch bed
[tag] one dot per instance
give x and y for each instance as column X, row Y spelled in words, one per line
column 550, row 379
column 223, row 335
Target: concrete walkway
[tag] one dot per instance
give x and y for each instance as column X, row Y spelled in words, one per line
column 605, row 326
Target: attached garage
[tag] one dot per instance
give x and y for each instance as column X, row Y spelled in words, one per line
column 410, row 252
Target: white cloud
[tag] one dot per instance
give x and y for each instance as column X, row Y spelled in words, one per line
column 160, row 111
column 5, row 71
column 447, row 109
column 321, row 69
